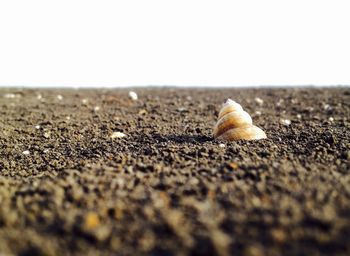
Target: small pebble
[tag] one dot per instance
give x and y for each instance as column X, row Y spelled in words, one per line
column 97, row 108
column 39, row 96
column 259, row 101
column 10, row 95
column 47, row 135
column 279, row 102
column 331, row 119
column 37, row 127
column 233, row 165
column 84, row 101
column 91, row 221
column 117, row 135
column 298, row 116
column 133, row 95
column 26, row 152
column 278, row 235
column 222, row 145
column 285, row 122
column 326, row 107
column 181, row 109
column 253, row 250
column 193, row 181
column 258, row 113
column 59, row 97
column 143, row 112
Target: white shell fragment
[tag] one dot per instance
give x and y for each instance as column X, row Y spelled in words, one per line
column 259, row 101
column 285, row 122
column 236, row 124
column 133, row 95
column 117, row 135
column 26, row 152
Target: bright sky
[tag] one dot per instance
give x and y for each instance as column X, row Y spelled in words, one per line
column 182, row 42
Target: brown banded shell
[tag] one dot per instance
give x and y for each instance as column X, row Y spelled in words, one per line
column 236, row 124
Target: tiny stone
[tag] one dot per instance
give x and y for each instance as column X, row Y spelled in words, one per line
column 258, row 113
column 102, row 233
column 222, row 145
column 298, row 116
column 253, row 251
column 37, row 127
column 84, row 101
column 68, row 117
column 259, row 101
column 194, row 181
column 279, row 102
column 285, row 122
column 91, row 221
column 39, row 96
column 181, row 109
column 26, row 152
column 97, row 108
column 47, row 135
column 331, row 119
column 59, row 97
column 117, row 135
column 326, row 107
column 278, row 235
column 221, row 241
column 9, row 95
column 143, row 112
column 133, row 95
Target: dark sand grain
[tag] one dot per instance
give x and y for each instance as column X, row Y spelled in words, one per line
column 167, row 188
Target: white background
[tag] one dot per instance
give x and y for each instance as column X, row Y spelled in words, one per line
column 182, row 42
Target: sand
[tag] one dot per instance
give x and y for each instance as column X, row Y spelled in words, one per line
column 68, row 186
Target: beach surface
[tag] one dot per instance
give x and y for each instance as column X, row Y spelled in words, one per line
column 71, row 185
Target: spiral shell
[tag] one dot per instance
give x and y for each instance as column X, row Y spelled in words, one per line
column 236, row 124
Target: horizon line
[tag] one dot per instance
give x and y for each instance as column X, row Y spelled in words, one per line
column 171, row 86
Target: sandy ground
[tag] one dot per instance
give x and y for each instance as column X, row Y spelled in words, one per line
column 167, row 187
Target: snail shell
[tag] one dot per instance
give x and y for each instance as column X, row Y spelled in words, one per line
column 236, row 124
